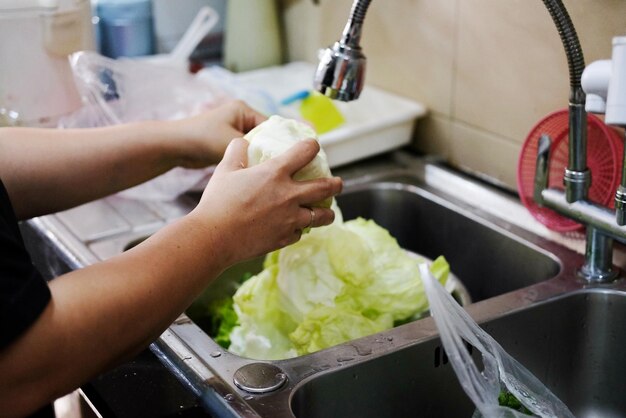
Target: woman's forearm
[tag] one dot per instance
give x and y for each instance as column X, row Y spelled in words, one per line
column 106, row 313
column 48, row 170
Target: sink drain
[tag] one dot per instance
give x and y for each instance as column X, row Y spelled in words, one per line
column 259, row 378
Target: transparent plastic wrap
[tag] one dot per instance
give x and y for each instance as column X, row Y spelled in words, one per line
column 121, row 91
column 501, row 371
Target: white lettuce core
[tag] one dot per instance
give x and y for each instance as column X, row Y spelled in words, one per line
column 275, row 136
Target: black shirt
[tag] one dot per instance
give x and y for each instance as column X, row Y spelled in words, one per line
column 24, row 294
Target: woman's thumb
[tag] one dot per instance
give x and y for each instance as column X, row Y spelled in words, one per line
column 236, row 155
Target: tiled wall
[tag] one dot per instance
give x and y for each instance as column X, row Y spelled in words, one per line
column 488, row 70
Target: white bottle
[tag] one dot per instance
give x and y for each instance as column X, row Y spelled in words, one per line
column 252, row 37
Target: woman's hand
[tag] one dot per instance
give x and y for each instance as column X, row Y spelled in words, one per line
column 256, row 210
column 206, row 135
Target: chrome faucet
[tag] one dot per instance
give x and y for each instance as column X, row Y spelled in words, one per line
column 340, row 75
column 341, row 72
column 606, row 95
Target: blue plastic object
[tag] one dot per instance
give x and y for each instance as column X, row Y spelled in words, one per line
column 125, row 28
column 301, row 95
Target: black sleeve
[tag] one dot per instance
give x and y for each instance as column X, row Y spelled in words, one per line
column 24, row 293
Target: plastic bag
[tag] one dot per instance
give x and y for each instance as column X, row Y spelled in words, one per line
column 501, row 371
column 128, row 90
column 230, row 83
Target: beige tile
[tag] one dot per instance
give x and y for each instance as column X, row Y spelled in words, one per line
column 433, row 135
column 490, row 155
column 335, row 14
column 487, row 69
column 412, row 51
column 596, row 22
column 408, row 44
column 511, row 69
column 301, row 30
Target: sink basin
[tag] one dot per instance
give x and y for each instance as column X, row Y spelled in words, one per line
column 488, row 260
column 380, row 375
column 523, row 289
column 573, row 344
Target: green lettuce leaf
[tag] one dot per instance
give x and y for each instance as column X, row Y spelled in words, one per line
column 327, row 326
column 338, row 283
column 224, row 320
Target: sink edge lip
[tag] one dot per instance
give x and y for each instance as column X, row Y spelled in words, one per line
column 551, row 290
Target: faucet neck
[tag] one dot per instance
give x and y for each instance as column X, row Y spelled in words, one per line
column 571, row 43
column 351, row 36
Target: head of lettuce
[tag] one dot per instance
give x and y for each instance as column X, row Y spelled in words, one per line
column 275, row 136
column 338, row 283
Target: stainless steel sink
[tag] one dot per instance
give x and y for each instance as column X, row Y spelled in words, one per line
column 524, row 288
column 487, row 259
column 571, row 343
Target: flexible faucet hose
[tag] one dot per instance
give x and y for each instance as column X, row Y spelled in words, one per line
column 352, row 32
column 575, row 58
column 577, row 177
column 359, row 8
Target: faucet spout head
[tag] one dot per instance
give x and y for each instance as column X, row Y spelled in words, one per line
column 340, row 74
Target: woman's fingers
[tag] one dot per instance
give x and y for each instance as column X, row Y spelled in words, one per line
column 251, row 118
column 298, row 156
column 314, row 191
column 314, row 217
column 311, row 191
column 236, row 155
column 265, row 200
column 244, row 117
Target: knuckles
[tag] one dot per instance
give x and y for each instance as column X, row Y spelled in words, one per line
column 327, row 188
column 236, row 104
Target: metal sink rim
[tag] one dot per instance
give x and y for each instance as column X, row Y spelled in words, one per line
column 568, row 291
column 302, row 369
column 207, row 369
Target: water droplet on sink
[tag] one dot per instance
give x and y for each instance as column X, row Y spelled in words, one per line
column 215, row 354
column 390, row 339
column 229, row 397
column 248, row 397
column 344, row 359
column 363, row 351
